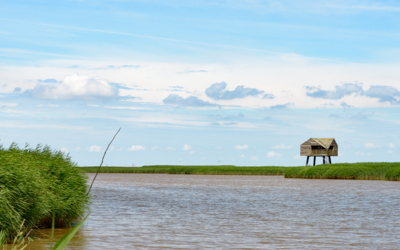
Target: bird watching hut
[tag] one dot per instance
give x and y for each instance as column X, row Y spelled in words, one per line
column 323, row 147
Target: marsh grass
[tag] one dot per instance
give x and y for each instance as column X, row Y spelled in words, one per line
column 177, row 169
column 34, row 184
column 354, row 171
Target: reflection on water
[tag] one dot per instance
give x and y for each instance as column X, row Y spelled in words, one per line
column 134, row 211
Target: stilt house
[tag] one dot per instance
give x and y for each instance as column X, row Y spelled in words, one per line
column 324, row 147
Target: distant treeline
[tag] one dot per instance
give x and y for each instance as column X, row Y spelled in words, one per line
column 357, row 171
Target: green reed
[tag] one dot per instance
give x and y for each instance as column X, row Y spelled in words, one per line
column 355, row 171
column 177, row 169
column 34, row 184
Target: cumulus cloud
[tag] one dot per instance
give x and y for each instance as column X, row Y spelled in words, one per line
column 230, row 123
column 384, row 94
column 391, row 145
column 191, row 101
column 241, row 147
column 254, row 158
column 282, row 146
column 359, row 154
column 338, row 93
column 136, row 148
column 217, row 92
column 243, row 156
column 155, row 148
column 76, row 86
column 272, row 154
column 186, row 147
column 170, row 148
column 191, row 152
column 345, row 105
column 370, row 145
column 65, row 150
column 94, row 148
column 281, row 106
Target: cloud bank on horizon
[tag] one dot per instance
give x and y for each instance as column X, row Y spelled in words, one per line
column 240, row 80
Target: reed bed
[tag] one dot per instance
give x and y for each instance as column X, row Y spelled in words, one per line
column 207, row 170
column 353, row 171
column 36, row 183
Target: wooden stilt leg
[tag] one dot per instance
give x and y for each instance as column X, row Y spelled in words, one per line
column 330, row 162
column 307, row 160
column 314, row 160
column 323, row 159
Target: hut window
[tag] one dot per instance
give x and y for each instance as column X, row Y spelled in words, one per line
column 331, row 147
column 316, row 147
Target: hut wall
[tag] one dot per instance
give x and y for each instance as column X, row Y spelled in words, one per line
column 305, row 150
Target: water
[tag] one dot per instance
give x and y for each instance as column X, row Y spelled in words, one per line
column 152, row 211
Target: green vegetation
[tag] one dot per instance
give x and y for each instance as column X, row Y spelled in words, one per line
column 358, row 171
column 355, row 171
column 34, row 184
column 213, row 170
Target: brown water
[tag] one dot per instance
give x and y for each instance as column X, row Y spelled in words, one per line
column 152, row 211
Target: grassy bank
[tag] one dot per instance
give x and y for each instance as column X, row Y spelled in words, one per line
column 358, row 171
column 34, row 184
column 213, row 170
column 354, row 171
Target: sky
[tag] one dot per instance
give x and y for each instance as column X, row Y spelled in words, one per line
column 239, row 82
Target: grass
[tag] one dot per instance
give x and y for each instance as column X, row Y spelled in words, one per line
column 355, row 171
column 210, row 170
column 34, row 184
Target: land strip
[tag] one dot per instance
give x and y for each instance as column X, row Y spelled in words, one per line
column 355, row 171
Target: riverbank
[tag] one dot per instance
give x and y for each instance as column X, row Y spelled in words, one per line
column 36, row 184
column 177, row 169
column 355, row 171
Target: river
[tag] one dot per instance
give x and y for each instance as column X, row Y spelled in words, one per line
column 153, row 211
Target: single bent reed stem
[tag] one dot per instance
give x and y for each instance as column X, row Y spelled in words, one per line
column 104, row 155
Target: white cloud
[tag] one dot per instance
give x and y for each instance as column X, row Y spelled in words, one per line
column 76, row 86
column 170, row 148
column 254, row 158
column 191, row 152
column 65, row 150
column 296, row 157
column 391, row 145
column 136, row 148
column 219, row 148
column 242, row 156
column 77, row 148
column 186, row 147
column 370, row 145
column 272, row 154
column 94, row 148
column 155, row 148
column 239, row 147
column 8, row 104
column 390, row 151
column 282, row 146
column 359, row 153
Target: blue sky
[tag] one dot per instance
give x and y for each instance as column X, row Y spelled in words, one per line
column 204, row 82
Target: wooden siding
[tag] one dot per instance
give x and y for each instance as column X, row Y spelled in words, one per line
column 319, row 147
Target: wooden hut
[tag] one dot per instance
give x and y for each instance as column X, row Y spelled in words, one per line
column 323, row 147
